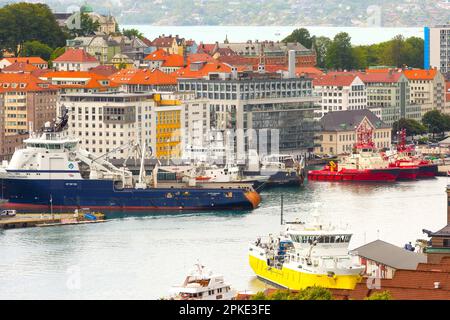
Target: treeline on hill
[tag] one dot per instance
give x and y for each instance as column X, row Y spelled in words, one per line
column 339, row 53
column 30, row 29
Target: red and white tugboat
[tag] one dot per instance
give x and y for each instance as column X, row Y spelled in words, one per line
column 364, row 164
column 409, row 169
column 407, row 157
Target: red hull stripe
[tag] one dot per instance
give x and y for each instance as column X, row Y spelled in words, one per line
column 21, row 206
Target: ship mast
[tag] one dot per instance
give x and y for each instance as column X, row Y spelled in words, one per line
column 364, row 137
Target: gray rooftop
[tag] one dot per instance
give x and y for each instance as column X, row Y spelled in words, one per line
column 348, row 120
column 390, row 255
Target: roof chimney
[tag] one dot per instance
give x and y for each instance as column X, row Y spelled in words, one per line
column 291, row 73
column 437, row 285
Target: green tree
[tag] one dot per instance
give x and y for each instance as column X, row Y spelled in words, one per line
column 22, row 22
column 436, row 122
column 321, row 45
column 130, row 33
column 36, row 49
column 414, row 52
column 314, row 293
column 88, row 27
column 360, row 54
column 385, row 295
column 413, row 127
column 311, row 293
column 259, row 296
column 57, row 52
column 340, row 53
column 302, row 36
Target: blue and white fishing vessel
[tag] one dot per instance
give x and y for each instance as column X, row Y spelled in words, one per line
column 53, row 172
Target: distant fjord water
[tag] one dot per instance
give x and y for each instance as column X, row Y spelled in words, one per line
column 211, row 34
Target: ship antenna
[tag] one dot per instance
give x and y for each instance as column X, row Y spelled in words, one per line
column 282, row 209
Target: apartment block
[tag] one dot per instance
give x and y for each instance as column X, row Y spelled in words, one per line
column 248, row 101
column 339, row 91
column 26, row 104
column 106, row 123
column 437, row 48
column 427, row 89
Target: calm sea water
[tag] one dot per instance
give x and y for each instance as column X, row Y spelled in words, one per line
column 211, row 34
column 140, row 257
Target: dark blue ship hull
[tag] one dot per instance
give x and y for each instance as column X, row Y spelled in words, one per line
column 101, row 194
column 281, row 178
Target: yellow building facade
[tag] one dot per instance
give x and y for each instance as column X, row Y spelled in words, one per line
column 169, row 127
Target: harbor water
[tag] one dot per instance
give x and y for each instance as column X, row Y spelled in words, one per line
column 141, row 256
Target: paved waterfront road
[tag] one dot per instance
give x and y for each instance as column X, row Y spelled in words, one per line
column 141, row 257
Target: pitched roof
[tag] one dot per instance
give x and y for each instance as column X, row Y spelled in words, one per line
column 143, row 77
column 158, row 55
column 31, row 60
column 163, row 42
column 346, row 120
column 199, row 57
column 207, row 48
column 23, row 82
column 75, row 55
column 20, row 67
column 103, row 70
column 308, row 70
column 173, row 60
column 203, row 70
column 390, row 255
column 380, row 77
column 420, row 74
column 408, row 284
column 90, row 80
column 336, row 79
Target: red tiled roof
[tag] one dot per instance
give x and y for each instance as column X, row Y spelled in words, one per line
column 200, row 57
column 380, row 77
column 31, row 60
column 75, row 55
column 409, row 284
column 209, row 67
column 308, row 70
column 173, row 60
column 93, row 80
column 23, row 82
column 147, row 41
column 143, row 77
column 420, row 74
column 206, row 48
column 338, row 79
column 20, row 67
column 104, row 70
column 158, row 55
column 163, row 42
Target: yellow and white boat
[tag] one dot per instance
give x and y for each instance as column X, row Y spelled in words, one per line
column 304, row 256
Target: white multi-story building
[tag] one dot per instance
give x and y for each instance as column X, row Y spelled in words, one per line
column 339, row 91
column 437, row 48
column 427, row 89
column 106, row 122
column 248, row 103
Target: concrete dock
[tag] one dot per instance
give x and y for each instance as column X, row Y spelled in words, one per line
column 30, row 220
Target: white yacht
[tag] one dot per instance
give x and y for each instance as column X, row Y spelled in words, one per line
column 203, row 284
